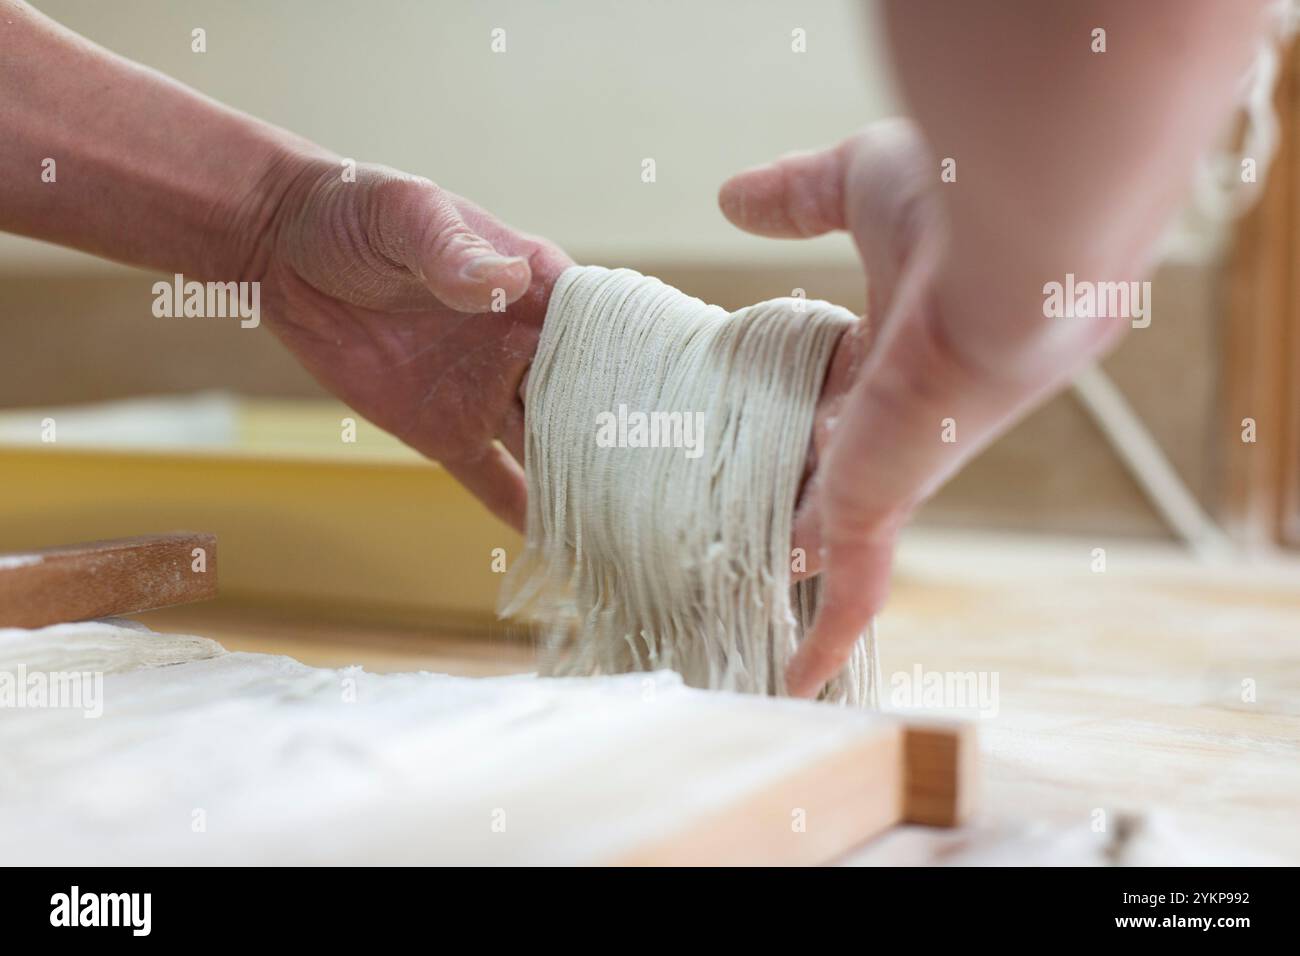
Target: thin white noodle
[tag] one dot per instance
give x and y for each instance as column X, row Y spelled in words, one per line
column 641, row 558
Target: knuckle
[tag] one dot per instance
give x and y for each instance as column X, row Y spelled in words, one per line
column 891, row 182
column 449, row 236
column 396, row 196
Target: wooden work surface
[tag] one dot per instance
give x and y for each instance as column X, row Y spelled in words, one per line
column 296, row 765
column 1120, row 695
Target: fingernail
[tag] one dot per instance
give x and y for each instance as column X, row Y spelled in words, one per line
column 490, row 265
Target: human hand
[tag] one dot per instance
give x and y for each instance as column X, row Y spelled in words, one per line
column 916, row 360
column 416, row 308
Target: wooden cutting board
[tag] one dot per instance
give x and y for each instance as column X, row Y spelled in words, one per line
column 289, row 764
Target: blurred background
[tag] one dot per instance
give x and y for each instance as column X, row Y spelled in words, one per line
column 1132, row 672
column 551, row 136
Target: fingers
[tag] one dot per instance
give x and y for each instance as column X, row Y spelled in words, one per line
column 417, row 225
column 854, row 590
column 888, row 451
column 806, row 536
column 841, row 376
column 497, row 480
column 795, row 197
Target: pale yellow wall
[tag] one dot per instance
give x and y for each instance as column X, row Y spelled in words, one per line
column 551, row 134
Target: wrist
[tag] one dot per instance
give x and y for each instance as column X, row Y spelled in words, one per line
column 242, row 240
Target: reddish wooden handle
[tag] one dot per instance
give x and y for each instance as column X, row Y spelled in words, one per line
column 106, row 578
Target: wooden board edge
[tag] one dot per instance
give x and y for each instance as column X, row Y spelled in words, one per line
column 810, row 816
column 941, row 772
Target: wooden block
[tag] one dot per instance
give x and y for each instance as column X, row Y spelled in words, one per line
column 845, row 799
column 939, row 772
column 892, row 772
column 106, row 578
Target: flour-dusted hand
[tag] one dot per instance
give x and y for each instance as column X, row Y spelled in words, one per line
column 1047, row 177
column 416, row 308
column 412, row 305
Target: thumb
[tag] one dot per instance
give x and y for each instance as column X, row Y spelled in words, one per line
column 416, row 224
column 878, row 185
column 796, row 197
